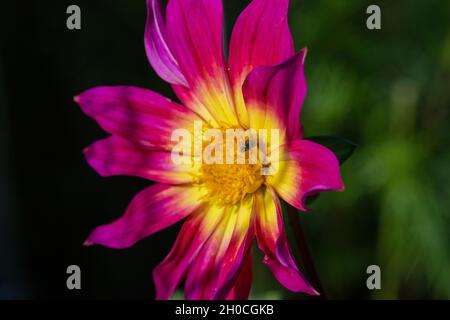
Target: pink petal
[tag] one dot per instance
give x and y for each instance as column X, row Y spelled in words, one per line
column 260, row 37
column 187, row 52
column 118, row 156
column 195, row 232
column 207, row 112
column 195, row 35
column 241, row 289
column 305, row 168
column 135, row 113
column 217, row 266
column 158, row 51
column 194, row 28
column 274, row 96
column 272, row 241
column 155, row 208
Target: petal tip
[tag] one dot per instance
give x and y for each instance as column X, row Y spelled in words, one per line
column 314, row 292
column 304, row 53
column 305, row 209
column 88, row 243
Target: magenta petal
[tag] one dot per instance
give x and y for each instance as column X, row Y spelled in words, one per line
column 153, row 209
column 260, row 37
column 135, row 113
column 195, row 34
column 158, row 51
column 273, row 242
column 217, row 266
column 306, row 168
column 213, row 274
column 277, row 91
column 117, row 156
column 243, row 284
column 194, row 28
column 195, row 232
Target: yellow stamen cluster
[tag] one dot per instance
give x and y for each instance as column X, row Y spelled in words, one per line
column 229, row 183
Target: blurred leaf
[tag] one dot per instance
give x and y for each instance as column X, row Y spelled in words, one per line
column 341, row 147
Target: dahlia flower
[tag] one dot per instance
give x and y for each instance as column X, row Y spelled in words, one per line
column 261, row 85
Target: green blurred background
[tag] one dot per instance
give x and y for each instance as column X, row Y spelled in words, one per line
column 387, row 90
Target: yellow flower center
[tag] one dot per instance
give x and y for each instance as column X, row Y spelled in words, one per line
column 229, row 183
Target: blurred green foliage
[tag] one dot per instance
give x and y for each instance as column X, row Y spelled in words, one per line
column 388, row 91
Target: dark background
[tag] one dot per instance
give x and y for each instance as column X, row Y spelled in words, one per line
column 387, row 90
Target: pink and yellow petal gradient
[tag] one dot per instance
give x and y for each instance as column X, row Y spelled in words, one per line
column 222, row 256
column 193, row 235
column 136, row 114
column 274, row 96
column 116, row 156
column 305, row 168
column 272, row 241
column 260, row 37
column 188, row 43
column 153, row 209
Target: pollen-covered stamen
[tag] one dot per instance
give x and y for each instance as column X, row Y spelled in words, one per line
column 227, row 184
